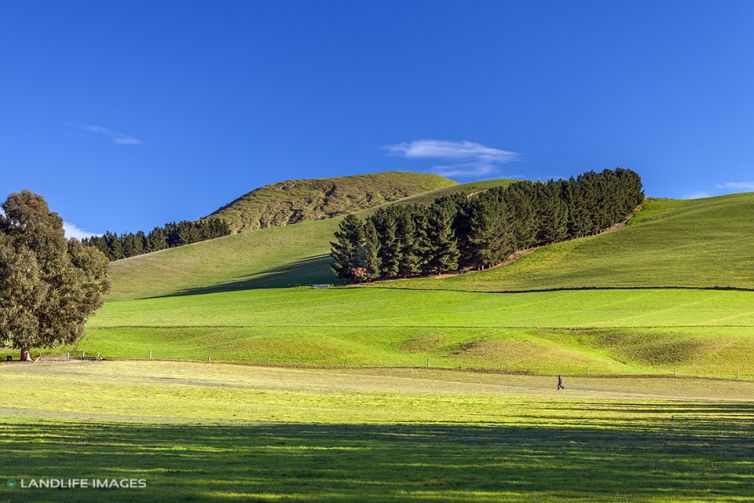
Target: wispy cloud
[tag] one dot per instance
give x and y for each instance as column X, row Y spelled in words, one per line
column 115, row 136
column 71, row 231
column 464, row 170
column 739, row 186
column 697, row 195
column 721, row 189
column 458, row 158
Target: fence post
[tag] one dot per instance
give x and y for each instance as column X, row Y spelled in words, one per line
column 210, row 358
column 150, row 354
column 68, row 355
column 675, row 373
column 427, row 362
column 83, row 355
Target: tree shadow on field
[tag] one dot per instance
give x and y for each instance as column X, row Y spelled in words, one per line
column 687, row 458
column 310, row 271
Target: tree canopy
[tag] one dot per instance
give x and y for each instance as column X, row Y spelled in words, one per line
column 462, row 232
column 170, row 235
column 48, row 285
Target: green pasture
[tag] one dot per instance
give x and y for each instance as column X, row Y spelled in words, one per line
column 213, row 432
column 587, row 305
column 669, row 243
column 696, row 332
column 694, row 243
column 371, row 307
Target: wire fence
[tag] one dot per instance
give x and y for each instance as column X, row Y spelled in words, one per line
column 425, row 363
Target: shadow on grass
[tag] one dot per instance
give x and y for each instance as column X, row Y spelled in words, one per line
column 687, row 458
column 308, row 271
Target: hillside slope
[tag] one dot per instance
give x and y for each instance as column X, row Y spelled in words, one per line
column 216, row 300
column 613, row 332
column 295, row 201
column 690, row 243
column 273, row 257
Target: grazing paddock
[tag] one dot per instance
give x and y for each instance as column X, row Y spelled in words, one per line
column 655, row 331
column 219, row 432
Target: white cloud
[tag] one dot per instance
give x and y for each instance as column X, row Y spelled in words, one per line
column 464, row 169
column 440, row 149
column 697, row 195
column 126, row 140
column 71, row 231
column 722, row 188
column 115, row 136
column 741, row 186
column 467, row 158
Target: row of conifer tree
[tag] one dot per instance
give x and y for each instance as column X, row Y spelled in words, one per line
column 462, row 232
column 170, row 235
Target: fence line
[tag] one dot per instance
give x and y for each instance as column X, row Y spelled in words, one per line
column 420, row 363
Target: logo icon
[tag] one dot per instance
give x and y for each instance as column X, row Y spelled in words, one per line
column 11, row 483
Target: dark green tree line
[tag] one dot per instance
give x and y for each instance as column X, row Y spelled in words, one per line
column 457, row 232
column 171, row 235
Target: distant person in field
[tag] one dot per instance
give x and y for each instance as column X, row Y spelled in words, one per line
column 560, row 383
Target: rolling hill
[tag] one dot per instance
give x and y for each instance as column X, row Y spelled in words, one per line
column 273, row 257
column 644, row 299
column 296, row 201
column 700, row 243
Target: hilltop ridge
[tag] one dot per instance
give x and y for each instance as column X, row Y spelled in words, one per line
column 294, row 201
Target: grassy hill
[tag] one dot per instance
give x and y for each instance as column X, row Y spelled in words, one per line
column 693, row 243
column 295, row 201
column 616, row 331
column 265, row 258
column 628, row 302
column 696, row 243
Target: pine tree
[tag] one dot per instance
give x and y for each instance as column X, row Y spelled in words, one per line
column 410, row 261
column 156, row 240
column 116, row 247
column 344, row 250
column 490, row 236
column 518, row 201
column 552, row 213
column 369, row 254
column 579, row 222
column 185, row 233
column 390, row 249
column 462, row 223
column 443, row 254
column 423, row 241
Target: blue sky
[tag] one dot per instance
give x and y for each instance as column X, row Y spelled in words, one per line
column 127, row 115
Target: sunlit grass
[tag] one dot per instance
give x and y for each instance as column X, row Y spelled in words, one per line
column 693, row 243
column 697, row 332
column 221, row 432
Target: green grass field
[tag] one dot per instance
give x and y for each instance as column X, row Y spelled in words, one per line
column 366, row 393
column 695, row 243
column 696, row 332
column 213, row 432
column 231, row 299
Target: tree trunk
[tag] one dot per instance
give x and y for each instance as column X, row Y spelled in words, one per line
column 25, row 354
